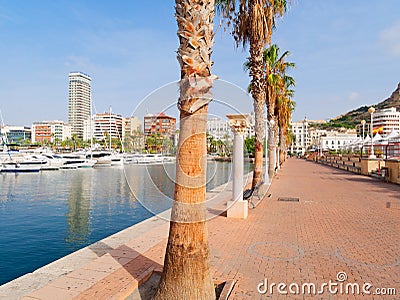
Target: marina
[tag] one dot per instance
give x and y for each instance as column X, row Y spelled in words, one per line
column 44, row 160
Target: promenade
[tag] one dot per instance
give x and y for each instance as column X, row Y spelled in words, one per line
column 340, row 225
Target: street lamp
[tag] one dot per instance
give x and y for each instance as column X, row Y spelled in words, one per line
column 371, row 110
column 363, row 128
column 363, row 135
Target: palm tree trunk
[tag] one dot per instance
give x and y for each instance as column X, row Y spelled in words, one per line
column 282, row 142
column 187, row 264
column 187, row 260
column 271, row 148
column 258, row 93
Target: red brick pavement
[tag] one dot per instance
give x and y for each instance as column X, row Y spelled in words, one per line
column 340, row 224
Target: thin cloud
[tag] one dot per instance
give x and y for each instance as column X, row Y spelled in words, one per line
column 353, row 96
column 390, row 37
column 79, row 62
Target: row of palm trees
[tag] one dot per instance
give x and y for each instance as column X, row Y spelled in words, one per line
column 186, row 273
column 253, row 22
column 279, row 103
column 218, row 146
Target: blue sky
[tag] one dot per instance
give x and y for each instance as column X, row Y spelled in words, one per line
column 347, row 54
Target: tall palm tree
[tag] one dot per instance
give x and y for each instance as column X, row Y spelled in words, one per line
column 253, row 21
column 275, row 74
column 274, row 68
column 283, row 111
column 187, row 264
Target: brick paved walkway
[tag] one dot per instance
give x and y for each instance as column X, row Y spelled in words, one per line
column 340, row 224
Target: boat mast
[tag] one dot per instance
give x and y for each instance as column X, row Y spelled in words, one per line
column 91, row 129
column 110, row 128
column 5, row 139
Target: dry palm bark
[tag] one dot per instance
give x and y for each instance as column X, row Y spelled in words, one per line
column 187, row 264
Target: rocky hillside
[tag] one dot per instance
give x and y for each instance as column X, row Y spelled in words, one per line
column 354, row 117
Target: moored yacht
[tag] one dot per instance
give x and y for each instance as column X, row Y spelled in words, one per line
column 76, row 161
column 21, row 164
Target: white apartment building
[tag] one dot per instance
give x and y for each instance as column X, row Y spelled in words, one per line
column 314, row 137
column 79, row 101
column 103, row 126
column 336, row 140
column 301, row 140
column 50, row 131
column 388, row 119
column 219, row 128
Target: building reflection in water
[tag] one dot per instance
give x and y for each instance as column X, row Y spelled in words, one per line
column 78, row 214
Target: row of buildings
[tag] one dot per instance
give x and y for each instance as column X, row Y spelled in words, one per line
column 84, row 125
column 110, row 125
column 307, row 136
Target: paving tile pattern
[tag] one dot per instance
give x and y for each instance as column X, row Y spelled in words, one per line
column 341, row 224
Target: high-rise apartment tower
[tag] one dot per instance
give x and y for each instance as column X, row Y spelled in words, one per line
column 79, row 104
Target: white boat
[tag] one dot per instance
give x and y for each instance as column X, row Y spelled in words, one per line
column 53, row 162
column 145, row 159
column 21, row 164
column 104, row 161
column 76, row 161
column 117, row 159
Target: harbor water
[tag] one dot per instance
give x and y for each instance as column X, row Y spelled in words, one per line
column 47, row 215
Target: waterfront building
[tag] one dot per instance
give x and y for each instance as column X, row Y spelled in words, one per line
column 15, row 134
column 79, row 101
column 132, row 125
column 335, row 140
column 314, row 137
column 162, row 127
column 50, row 131
column 219, row 128
column 159, row 124
column 104, row 126
column 386, row 120
column 133, row 134
column 301, row 141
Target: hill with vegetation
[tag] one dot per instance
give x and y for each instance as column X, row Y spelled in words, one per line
column 354, row 117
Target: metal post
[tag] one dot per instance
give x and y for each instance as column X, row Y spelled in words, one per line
column 371, row 110
column 266, row 178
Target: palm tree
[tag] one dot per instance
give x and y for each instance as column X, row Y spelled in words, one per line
column 284, row 108
column 253, row 21
column 274, row 67
column 74, row 139
column 186, row 272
